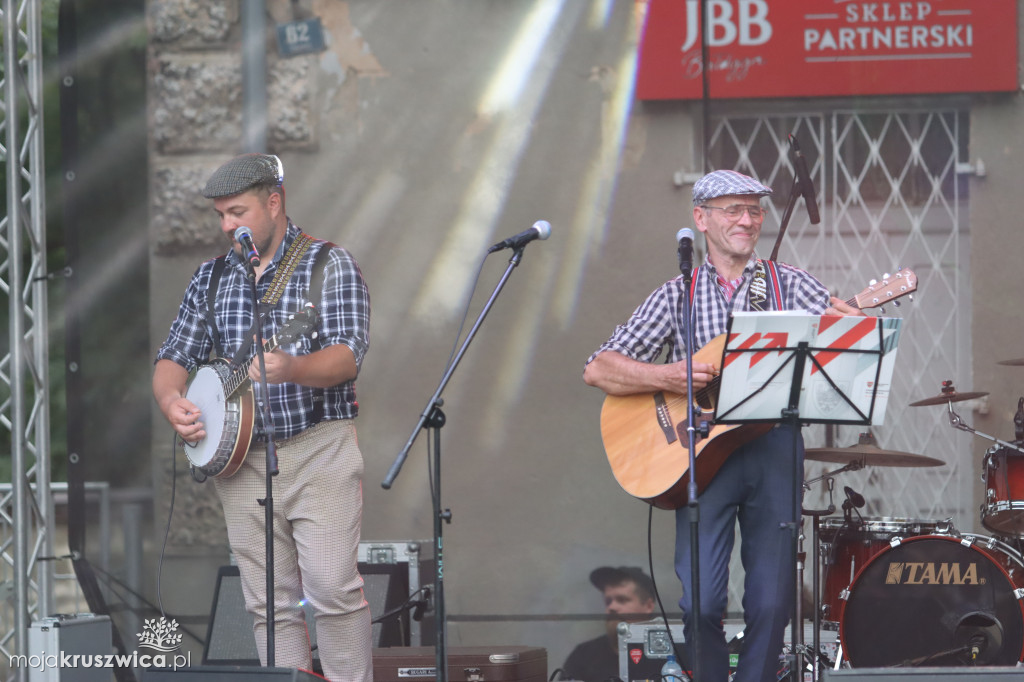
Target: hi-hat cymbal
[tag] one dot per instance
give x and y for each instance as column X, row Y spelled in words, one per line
column 1014, row 362
column 953, row 396
column 869, row 454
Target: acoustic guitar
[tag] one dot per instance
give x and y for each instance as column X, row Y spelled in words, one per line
column 646, row 434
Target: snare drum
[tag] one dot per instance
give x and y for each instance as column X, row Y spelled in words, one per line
column 847, row 547
column 1003, row 510
column 936, row 600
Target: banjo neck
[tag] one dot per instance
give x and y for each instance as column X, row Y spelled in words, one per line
column 240, row 376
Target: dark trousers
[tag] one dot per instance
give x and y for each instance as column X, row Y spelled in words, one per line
column 755, row 486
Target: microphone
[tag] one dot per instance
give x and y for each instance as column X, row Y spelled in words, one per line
column 804, row 178
column 243, row 235
column 540, row 230
column 856, row 499
column 685, row 239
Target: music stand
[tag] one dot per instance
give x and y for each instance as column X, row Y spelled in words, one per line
column 825, row 370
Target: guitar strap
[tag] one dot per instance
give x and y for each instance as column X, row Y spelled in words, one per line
column 765, row 274
column 766, row 278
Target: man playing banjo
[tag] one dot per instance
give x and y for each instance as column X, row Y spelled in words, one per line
column 311, row 384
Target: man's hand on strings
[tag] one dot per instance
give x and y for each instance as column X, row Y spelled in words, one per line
column 279, row 367
column 703, row 373
column 840, row 307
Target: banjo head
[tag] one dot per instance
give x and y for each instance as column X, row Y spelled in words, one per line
column 220, row 418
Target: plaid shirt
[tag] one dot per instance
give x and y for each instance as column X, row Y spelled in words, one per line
column 655, row 324
column 344, row 317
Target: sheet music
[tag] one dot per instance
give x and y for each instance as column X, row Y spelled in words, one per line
column 856, row 355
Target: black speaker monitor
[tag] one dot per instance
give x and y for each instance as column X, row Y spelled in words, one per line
column 230, row 639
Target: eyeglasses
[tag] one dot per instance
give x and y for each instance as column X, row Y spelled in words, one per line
column 735, row 211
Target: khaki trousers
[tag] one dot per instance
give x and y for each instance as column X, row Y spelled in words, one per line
column 317, row 500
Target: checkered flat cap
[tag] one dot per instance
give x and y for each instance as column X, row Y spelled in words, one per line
column 242, row 173
column 721, row 183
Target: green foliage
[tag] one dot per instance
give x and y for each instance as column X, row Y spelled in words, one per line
column 104, row 210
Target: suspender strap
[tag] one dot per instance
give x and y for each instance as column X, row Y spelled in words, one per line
column 211, row 296
column 316, row 278
column 314, row 295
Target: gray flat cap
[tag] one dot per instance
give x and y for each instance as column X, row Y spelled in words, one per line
column 722, row 183
column 242, row 173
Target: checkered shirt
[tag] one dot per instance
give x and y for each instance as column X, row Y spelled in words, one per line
column 655, row 325
column 344, row 317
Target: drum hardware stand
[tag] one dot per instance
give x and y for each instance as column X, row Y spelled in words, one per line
column 815, row 515
column 433, row 418
column 957, row 423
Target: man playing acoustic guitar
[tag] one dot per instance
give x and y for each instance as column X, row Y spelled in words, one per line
column 317, row 494
column 754, row 484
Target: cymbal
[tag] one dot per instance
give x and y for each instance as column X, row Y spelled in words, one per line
column 953, row 396
column 869, row 455
column 1014, row 362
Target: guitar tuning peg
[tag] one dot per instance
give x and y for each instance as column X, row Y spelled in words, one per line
column 881, row 310
column 910, row 297
column 886, row 276
column 873, row 282
column 897, row 303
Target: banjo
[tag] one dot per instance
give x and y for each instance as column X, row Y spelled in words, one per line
column 224, row 396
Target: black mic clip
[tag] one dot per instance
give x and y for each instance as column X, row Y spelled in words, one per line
column 803, row 181
column 854, row 500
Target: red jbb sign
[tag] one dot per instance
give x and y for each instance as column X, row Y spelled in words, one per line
column 807, row 48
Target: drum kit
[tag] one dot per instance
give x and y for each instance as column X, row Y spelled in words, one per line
column 914, row 592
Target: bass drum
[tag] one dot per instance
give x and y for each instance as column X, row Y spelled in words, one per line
column 936, row 600
column 846, row 546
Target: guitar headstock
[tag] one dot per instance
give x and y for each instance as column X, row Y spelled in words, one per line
column 298, row 325
column 891, row 287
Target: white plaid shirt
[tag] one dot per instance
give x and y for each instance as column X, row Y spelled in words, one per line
column 344, row 317
column 655, row 325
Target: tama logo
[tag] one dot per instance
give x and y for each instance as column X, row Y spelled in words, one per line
column 932, row 573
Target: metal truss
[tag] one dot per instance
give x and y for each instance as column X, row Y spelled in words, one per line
column 26, row 512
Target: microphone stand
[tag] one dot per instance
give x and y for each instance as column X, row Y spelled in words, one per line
column 795, row 192
column 691, row 491
column 432, row 417
column 271, row 461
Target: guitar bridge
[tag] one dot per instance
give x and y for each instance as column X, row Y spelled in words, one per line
column 664, row 418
